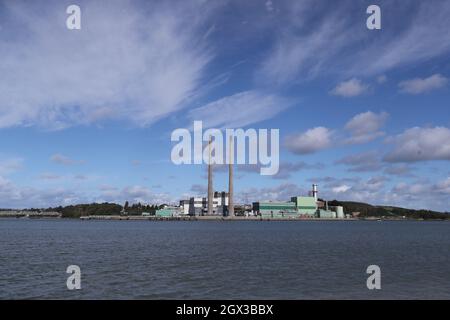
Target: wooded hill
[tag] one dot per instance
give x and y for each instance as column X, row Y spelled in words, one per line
column 367, row 210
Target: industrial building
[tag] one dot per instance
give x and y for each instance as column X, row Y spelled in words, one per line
column 216, row 203
column 275, row 209
column 221, row 204
column 168, row 212
column 299, row 207
column 198, row 206
column 305, row 206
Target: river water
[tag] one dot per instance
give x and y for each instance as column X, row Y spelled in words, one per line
column 224, row 260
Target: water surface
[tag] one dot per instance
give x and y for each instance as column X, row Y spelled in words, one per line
column 224, row 260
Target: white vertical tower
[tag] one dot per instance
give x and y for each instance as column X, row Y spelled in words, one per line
column 314, row 191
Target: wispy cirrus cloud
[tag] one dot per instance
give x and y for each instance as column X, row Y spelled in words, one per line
column 125, row 63
column 422, row 35
column 240, row 109
column 298, row 53
column 310, row 43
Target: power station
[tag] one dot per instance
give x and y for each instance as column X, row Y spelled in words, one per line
column 222, row 204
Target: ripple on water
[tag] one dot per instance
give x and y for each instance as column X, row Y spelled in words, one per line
column 215, row 260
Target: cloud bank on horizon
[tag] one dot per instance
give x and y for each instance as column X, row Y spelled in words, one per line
column 364, row 113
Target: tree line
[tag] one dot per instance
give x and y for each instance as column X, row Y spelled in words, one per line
column 106, row 208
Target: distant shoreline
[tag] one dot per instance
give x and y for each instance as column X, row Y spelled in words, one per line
column 206, row 218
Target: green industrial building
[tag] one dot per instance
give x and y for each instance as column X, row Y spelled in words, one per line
column 275, row 209
column 326, row 214
column 168, row 212
column 297, row 207
column 306, row 206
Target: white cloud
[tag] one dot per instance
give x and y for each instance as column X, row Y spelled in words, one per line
column 350, row 88
column 341, row 188
column 364, row 127
column 7, row 191
column 64, row 160
column 288, row 168
column 125, row 63
column 199, row 189
column 282, row 192
column 398, row 170
column 133, row 194
column 417, row 195
column 410, row 188
column 420, row 144
column 285, row 171
column 377, row 191
column 136, row 163
column 381, row 79
column 418, row 85
column 310, row 141
column 352, row 189
column 14, row 196
column 362, row 162
column 269, row 5
column 240, row 109
column 443, row 187
column 367, row 122
column 49, row 176
column 10, row 165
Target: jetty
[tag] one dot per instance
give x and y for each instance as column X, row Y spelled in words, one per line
column 28, row 214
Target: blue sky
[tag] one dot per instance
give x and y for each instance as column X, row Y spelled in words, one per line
column 86, row 115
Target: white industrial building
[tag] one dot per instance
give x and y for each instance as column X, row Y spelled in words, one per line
column 198, row 206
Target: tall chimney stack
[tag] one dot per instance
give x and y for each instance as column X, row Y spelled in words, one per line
column 230, row 180
column 210, row 181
